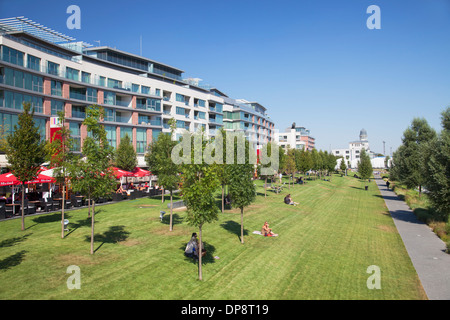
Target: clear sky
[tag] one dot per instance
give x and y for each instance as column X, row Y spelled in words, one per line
column 312, row 62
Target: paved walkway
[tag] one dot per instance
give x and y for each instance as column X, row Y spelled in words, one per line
column 424, row 247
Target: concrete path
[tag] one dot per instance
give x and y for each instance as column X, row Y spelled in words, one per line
column 426, row 250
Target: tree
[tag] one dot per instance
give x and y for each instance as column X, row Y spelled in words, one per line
column 290, row 164
column 410, row 156
column 159, row 162
column 437, row 168
column 315, row 161
column 343, row 167
column 242, row 188
column 364, row 166
column 199, row 181
column 93, row 175
column 267, row 168
column 25, row 150
column 61, row 158
column 125, row 155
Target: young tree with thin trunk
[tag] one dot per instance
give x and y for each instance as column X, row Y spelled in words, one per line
column 62, row 159
column 199, row 181
column 25, row 150
column 242, row 188
column 94, row 173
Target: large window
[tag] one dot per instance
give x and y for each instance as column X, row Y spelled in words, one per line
column 52, row 68
column 33, row 62
column 25, row 80
column 72, row 74
column 111, row 135
column 56, row 88
column 75, row 134
column 12, row 56
column 15, row 100
column 8, row 121
column 126, row 131
column 141, row 140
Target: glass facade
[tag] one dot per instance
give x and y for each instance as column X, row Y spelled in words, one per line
column 141, row 140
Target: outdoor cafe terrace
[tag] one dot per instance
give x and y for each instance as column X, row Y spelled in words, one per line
column 43, row 194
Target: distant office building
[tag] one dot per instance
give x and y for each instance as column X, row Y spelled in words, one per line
column 353, row 152
column 296, row 138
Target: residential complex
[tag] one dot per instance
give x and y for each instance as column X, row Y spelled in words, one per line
column 296, row 137
column 56, row 73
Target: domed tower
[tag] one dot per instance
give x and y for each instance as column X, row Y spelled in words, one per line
column 363, row 135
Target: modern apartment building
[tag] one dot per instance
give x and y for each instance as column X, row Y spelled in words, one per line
column 296, row 137
column 56, row 73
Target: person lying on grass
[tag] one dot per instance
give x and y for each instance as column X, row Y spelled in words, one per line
column 288, row 200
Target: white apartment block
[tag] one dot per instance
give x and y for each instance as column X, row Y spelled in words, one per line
column 139, row 95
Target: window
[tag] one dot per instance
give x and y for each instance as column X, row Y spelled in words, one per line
column 15, row 100
column 141, row 140
column 202, row 115
column 110, row 115
column 155, row 134
column 85, row 77
column 126, row 131
column 112, row 83
column 33, row 62
column 56, row 106
column 111, row 135
column 179, row 97
column 154, row 104
column 134, row 87
column 158, row 92
column 75, row 134
column 12, row 56
column 180, row 111
column 101, row 81
column 91, row 95
column 72, row 74
column 180, row 124
column 145, row 90
column 56, row 88
column 109, row 98
column 52, row 68
column 201, row 103
column 79, row 112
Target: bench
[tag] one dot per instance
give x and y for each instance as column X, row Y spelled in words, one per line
column 176, row 204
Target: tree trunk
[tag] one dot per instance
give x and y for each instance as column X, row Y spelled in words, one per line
column 162, row 194
column 23, row 202
column 265, row 188
column 62, row 211
column 242, row 225
column 171, row 210
column 223, row 199
column 92, row 230
column 89, row 205
column 200, row 277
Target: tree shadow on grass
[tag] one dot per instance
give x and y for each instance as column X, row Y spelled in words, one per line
column 176, row 219
column 114, row 235
column 12, row 261
column 208, row 258
column 234, row 227
column 13, row 241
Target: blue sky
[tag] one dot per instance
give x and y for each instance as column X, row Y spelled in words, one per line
column 314, row 63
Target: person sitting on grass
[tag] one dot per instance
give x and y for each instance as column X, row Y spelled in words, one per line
column 266, row 231
column 191, row 250
column 288, row 200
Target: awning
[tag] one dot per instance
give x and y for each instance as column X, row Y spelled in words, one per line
column 139, row 172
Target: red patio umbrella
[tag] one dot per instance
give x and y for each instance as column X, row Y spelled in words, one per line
column 139, row 172
column 8, row 179
column 119, row 173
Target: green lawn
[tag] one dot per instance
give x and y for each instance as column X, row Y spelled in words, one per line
column 323, row 250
